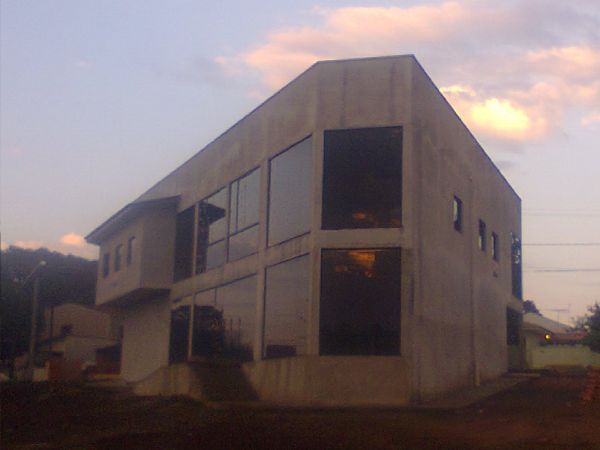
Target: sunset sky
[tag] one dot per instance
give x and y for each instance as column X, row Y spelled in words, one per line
column 101, row 99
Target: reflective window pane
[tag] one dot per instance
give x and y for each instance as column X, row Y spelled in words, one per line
column 286, row 308
column 362, row 178
column 180, row 328
column 236, row 303
column 243, row 244
column 360, row 302
column 207, row 337
column 184, row 241
column 245, row 194
column 290, row 192
column 212, row 228
column 215, row 255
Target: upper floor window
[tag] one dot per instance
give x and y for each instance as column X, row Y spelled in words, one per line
column 130, row 249
column 362, row 178
column 212, row 230
column 243, row 216
column 482, row 238
column 290, row 184
column 105, row 264
column 118, row 254
column 495, row 247
column 184, row 241
column 457, row 213
column 517, row 268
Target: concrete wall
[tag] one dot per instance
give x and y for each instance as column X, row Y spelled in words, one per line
column 555, row 356
column 145, row 345
column 84, row 321
column 152, row 263
column 461, row 292
column 454, row 298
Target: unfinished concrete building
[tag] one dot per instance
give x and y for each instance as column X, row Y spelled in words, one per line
column 347, row 242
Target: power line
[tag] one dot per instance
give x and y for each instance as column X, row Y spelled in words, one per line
column 561, row 244
column 560, row 270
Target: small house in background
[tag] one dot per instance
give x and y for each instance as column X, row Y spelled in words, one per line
column 77, row 339
column 552, row 345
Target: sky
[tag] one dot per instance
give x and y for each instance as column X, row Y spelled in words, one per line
column 101, row 99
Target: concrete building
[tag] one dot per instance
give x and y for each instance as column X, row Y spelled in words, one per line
column 347, row 242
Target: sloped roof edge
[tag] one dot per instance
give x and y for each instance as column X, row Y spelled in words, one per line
column 125, row 214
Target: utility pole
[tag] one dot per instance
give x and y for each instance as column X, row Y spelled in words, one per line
column 34, row 307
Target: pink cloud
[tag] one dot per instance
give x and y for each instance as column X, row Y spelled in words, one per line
column 502, row 54
column 73, row 239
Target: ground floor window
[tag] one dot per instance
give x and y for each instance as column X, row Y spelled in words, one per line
column 224, row 321
column 286, row 308
column 360, row 302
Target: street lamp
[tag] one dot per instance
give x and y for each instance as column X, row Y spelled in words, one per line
column 34, row 306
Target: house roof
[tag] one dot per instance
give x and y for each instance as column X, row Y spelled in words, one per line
column 125, row 215
column 537, row 321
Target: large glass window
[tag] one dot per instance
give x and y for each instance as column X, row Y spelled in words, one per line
column 180, row 328
column 225, row 321
column 212, row 231
column 290, row 192
column 184, row 238
column 286, row 308
column 244, row 214
column 360, row 302
column 362, row 178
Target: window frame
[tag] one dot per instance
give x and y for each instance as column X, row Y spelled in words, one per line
column 482, row 236
column 230, row 234
column 495, row 246
column 118, row 257
column 457, row 213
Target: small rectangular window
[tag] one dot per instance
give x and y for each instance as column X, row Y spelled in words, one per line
column 495, row 247
column 118, row 251
column 130, row 248
column 106, row 265
column 517, row 272
column 482, row 240
column 457, row 213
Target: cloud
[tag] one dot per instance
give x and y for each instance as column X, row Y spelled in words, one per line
column 591, row 119
column 30, row 245
column 3, row 245
column 512, row 69
column 68, row 244
column 73, row 239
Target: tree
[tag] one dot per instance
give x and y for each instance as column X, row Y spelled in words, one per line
column 64, row 279
column 592, row 326
column 530, row 307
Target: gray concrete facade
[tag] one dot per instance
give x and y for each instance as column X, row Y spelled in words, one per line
column 454, row 296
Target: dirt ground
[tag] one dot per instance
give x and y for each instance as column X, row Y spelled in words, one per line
column 541, row 413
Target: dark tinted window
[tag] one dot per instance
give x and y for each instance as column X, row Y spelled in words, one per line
column 360, row 302
column 495, row 247
column 184, row 237
column 362, row 178
column 457, row 213
column 130, row 249
column 118, row 255
column 243, row 218
column 286, row 308
column 290, row 192
column 208, row 330
column 235, row 315
column 180, row 326
column 517, row 268
column 212, row 230
column 482, row 239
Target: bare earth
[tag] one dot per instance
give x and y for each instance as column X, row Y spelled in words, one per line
column 541, row 413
